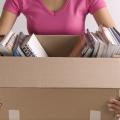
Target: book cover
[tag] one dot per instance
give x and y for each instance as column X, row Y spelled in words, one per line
column 33, row 46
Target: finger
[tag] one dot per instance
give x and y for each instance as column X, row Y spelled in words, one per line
column 118, row 98
column 111, row 98
column 114, row 108
column 117, row 115
column 111, row 110
column 115, row 101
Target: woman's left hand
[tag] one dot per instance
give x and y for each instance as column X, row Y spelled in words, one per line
column 114, row 106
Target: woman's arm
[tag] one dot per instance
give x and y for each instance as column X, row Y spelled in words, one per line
column 104, row 18
column 7, row 21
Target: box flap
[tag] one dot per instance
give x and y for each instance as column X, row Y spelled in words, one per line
column 58, row 45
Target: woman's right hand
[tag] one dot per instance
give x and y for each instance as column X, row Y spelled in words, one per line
column 76, row 52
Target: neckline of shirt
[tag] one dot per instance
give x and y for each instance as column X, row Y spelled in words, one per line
column 62, row 8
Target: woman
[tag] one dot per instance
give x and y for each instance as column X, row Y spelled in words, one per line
column 54, row 16
column 57, row 17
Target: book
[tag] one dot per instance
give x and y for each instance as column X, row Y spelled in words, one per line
column 95, row 43
column 116, row 34
column 6, row 44
column 101, row 37
column 21, row 45
column 6, row 38
column 17, row 51
column 103, row 43
column 32, row 47
column 89, row 43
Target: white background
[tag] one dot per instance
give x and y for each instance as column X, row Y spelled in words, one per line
column 113, row 6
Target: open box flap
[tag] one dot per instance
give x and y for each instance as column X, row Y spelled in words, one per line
column 58, row 45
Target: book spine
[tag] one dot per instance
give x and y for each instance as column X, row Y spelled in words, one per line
column 16, row 53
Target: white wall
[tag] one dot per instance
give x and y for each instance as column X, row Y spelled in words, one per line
column 113, row 5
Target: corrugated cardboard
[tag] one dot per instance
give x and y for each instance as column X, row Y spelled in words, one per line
column 60, row 72
column 58, row 45
column 58, row 88
column 55, row 104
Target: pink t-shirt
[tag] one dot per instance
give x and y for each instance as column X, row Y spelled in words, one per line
column 70, row 19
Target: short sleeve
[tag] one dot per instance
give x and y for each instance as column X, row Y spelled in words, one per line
column 14, row 6
column 94, row 5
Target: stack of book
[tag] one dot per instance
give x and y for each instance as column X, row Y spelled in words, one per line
column 21, row 45
column 104, row 43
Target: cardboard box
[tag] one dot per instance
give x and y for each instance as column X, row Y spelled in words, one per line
column 58, row 87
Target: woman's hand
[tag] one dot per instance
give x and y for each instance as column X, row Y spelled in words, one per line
column 114, row 106
column 76, row 52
